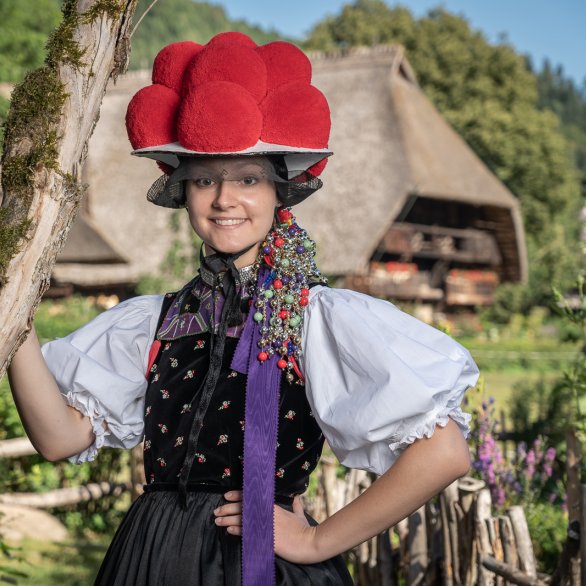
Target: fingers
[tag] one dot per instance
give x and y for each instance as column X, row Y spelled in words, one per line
column 230, row 515
column 232, row 523
column 229, row 509
column 298, row 507
column 233, row 495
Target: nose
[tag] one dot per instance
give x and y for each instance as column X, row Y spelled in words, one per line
column 226, row 195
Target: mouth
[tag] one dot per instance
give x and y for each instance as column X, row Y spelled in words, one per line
column 228, row 221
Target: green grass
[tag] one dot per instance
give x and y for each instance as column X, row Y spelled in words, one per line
column 45, row 564
column 58, row 318
column 500, row 385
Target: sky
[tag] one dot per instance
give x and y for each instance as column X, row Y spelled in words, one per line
column 540, row 28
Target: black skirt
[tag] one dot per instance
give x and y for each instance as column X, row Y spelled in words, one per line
column 161, row 544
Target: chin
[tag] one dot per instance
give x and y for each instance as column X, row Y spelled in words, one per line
column 233, row 248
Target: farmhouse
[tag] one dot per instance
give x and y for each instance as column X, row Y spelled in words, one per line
column 407, row 211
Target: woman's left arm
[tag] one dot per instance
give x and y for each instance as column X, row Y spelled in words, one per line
column 424, row 469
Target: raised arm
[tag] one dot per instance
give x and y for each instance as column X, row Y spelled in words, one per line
column 55, row 430
column 422, row 471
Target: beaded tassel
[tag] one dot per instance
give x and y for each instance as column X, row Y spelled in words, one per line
column 289, row 252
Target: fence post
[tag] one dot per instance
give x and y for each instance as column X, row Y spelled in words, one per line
column 417, row 540
column 573, row 497
column 483, row 539
column 448, row 499
column 583, row 531
column 508, row 543
column 523, row 540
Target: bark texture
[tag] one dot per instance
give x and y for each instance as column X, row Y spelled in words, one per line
column 52, row 116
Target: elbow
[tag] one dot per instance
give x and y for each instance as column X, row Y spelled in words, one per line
column 51, row 454
column 457, row 454
column 462, row 464
column 460, row 459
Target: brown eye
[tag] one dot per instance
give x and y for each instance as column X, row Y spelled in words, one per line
column 249, row 180
column 204, row 182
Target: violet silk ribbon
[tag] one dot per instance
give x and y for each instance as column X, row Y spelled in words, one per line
column 261, row 414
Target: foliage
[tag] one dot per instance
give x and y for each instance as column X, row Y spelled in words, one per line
column 559, row 94
column 66, row 564
column 57, row 318
column 180, row 263
column 528, row 478
column 490, row 97
column 23, row 34
column 4, row 105
column 548, row 530
column 178, row 20
column 554, row 408
column 9, row 558
column 571, row 388
column 534, row 340
column 32, row 473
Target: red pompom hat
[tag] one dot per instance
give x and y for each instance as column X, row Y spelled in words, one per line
column 231, row 98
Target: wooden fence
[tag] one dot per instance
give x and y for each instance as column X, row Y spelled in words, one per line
column 60, row 497
column 453, row 540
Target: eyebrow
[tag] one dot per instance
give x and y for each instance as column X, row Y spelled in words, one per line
column 236, row 165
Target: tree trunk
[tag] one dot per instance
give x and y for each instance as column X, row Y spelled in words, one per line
column 52, row 116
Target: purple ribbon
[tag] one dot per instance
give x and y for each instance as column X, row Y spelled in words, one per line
column 261, row 414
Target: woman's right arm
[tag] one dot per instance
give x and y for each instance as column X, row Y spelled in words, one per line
column 56, row 430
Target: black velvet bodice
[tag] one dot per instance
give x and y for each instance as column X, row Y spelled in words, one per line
column 175, row 378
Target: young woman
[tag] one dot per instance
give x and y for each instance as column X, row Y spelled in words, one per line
column 253, row 363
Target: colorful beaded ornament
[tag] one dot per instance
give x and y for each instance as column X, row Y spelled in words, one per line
column 289, row 252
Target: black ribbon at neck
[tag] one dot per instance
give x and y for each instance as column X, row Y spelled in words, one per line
column 231, row 315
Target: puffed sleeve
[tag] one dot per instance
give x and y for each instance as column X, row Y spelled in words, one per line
column 100, row 370
column 377, row 379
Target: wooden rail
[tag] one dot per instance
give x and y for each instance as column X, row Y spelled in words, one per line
column 16, row 448
column 61, row 497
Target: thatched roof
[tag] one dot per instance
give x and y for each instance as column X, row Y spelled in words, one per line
column 391, row 143
column 86, row 243
column 118, row 183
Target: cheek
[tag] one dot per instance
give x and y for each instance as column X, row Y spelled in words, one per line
column 264, row 206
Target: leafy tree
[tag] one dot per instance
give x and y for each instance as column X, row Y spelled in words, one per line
column 488, row 93
column 23, row 33
column 560, row 94
column 4, row 105
column 173, row 20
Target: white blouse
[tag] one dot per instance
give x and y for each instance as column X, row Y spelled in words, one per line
column 376, row 378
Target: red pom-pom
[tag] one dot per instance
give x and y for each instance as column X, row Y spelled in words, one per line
column 151, row 117
column 170, row 63
column 232, row 37
column 283, row 214
column 167, row 169
column 285, row 63
column 316, row 169
column 227, row 62
column 296, row 115
column 219, row 117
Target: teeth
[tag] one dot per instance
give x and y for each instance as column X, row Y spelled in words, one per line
column 228, row 222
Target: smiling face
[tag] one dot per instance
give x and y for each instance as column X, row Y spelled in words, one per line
column 231, row 204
